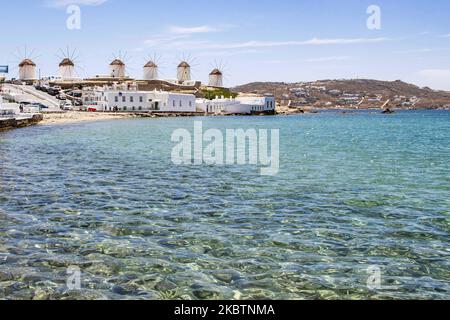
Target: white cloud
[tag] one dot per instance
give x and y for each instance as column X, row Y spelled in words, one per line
column 65, row 3
column 326, row 59
column 273, row 61
column 174, row 29
column 313, row 42
column 226, row 53
column 192, row 30
column 424, row 50
column 174, row 43
column 320, row 59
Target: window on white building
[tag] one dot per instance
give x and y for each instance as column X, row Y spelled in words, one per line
column 131, row 99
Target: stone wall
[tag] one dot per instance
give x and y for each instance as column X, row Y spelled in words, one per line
column 8, row 124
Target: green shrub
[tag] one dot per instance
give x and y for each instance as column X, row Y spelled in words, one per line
column 211, row 94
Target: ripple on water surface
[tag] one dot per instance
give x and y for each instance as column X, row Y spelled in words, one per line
column 352, row 192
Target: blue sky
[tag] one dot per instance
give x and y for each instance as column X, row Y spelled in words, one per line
column 284, row 40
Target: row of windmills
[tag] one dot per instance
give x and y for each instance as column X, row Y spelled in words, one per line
column 117, row 70
column 27, row 70
column 183, row 73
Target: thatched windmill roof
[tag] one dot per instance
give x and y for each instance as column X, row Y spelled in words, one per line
column 117, row 62
column 184, row 64
column 27, row 62
column 150, row 64
column 216, row 72
column 67, row 63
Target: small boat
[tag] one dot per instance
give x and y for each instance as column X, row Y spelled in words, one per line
column 386, row 109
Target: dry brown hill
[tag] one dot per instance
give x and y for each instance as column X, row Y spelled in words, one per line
column 332, row 93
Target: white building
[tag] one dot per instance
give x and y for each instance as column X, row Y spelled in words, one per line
column 221, row 106
column 128, row 98
column 239, row 105
column 258, row 104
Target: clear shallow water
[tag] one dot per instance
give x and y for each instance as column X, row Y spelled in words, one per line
column 353, row 191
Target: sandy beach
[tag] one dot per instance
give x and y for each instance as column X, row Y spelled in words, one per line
column 72, row 117
column 77, row 117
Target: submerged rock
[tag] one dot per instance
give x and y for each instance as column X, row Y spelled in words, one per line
column 124, row 290
column 165, row 285
column 227, row 276
column 43, row 294
column 6, row 276
column 6, row 288
column 205, row 292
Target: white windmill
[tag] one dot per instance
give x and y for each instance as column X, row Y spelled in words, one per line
column 26, row 65
column 118, row 68
column 27, row 70
column 151, row 69
column 184, row 72
column 217, row 75
column 216, row 78
column 184, row 69
column 67, row 65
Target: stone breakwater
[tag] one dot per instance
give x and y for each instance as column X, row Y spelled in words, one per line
column 7, row 124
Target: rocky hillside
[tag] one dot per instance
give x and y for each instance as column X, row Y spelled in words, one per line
column 361, row 93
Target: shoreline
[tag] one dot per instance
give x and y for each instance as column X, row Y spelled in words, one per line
column 76, row 117
column 79, row 117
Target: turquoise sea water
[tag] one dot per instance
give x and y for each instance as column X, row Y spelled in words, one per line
column 354, row 191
